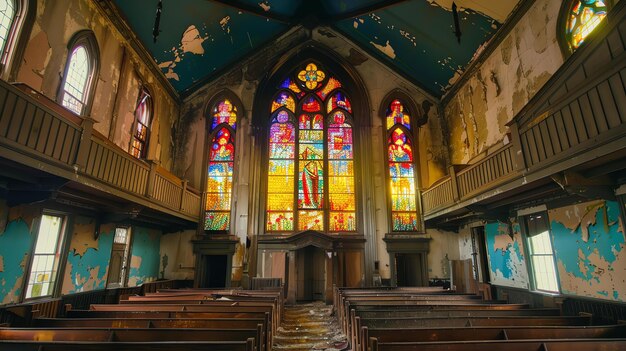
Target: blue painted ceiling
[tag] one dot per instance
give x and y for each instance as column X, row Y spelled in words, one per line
column 200, row 39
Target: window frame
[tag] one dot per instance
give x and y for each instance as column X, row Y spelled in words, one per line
column 60, row 254
column 412, row 134
column 210, row 134
column 86, row 39
column 346, row 88
column 529, row 252
column 17, row 38
column 143, row 92
column 125, row 268
column 561, row 25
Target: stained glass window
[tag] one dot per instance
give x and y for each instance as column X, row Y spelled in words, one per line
column 220, row 167
column 583, row 17
column 143, row 116
column 310, row 165
column 401, row 169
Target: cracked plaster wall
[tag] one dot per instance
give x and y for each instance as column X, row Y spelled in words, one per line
column 508, row 78
column 115, row 99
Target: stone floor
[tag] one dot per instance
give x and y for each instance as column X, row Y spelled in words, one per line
column 310, row 326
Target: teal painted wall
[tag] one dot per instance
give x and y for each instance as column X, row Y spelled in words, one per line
column 145, row 257
column 15, row 244
column 505, row 250
column 588, row 240
column 88, row 258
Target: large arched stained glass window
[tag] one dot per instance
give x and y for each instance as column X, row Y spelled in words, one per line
column 220, row 166
column 582, row 18
column 310, row 181
column 401, row 168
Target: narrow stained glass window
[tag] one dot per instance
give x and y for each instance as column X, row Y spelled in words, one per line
column 76, row 77
column 143, row 117
column 220, row 167
column 7, row 16
column 310, row 172
column 583, row 17
column 401, row 169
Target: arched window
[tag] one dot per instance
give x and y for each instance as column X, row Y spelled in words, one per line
column 141, row 129
column 402, row 181
column 578, row 19
column 223, row 124
column 80, row 69
column 310, row 179
column 16, row 18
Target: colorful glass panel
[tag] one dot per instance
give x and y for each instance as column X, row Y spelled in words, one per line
column 313, row 220
column 583, row 18
column 329, row 87
column 311, row 104
column 284, row 99
column 224, row 112
column 311, row 76
column 397, row 114
column 318, row 146
column 339, row 100
column 402, row 182
column 219, row 180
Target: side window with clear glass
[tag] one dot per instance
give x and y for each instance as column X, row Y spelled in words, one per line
column 541, row 254
column 45, row 261
column 79, row 75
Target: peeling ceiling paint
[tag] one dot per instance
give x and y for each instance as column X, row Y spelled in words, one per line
column 199, row 39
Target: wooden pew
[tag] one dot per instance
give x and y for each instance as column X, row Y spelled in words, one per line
column 18, row 345
column 510, row 345
column 387, row 335
column 161, row 323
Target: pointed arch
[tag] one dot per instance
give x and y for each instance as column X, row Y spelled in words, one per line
column 16, row 22
column 398, row 113
column 222, row 113
column 577, row 22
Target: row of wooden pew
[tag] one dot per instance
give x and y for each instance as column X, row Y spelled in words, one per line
column 403, row 319
column 187, row 319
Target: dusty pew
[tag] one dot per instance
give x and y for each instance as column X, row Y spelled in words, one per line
column 18, row 345
column 387, row 335
column 161, row 323
column 509, row 345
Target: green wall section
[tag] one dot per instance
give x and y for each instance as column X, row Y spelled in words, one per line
column 15, row 245
column 88, row 259
column 589, row 243
column 506, row 255
column 145, row 258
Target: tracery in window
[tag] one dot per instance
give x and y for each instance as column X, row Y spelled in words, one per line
column 220, row 167
column 310, row 181
column 76, row 77
column 583, row 17
column 401, row 168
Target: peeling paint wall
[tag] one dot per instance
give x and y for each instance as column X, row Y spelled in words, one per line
column 589, row 242
column 145, row 261
column 88, row 258
column 120, row 77
column 15, row 245
column 520, row 65
column 177, row 247
column 505, row 249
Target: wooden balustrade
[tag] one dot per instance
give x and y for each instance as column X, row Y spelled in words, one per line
column 578, row 115
column 34, row 128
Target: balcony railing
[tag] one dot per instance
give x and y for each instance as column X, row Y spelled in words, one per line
column 579, row 115
column 36, row 131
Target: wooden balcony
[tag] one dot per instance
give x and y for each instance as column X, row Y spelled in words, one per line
column 578, row 116
column 38, row 133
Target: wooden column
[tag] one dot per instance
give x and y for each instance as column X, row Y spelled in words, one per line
column 293, row 278
column 328, row 293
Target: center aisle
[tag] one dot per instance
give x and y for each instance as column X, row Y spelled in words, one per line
column 309, row 326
